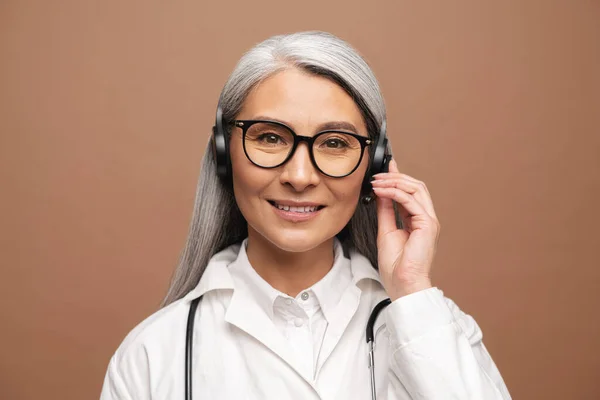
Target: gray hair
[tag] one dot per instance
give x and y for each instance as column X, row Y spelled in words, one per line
column 217, row 221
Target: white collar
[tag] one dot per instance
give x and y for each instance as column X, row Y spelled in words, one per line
column 325, row 294
column 218, row 277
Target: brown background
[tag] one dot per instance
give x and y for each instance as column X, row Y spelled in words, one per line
column 105, row 110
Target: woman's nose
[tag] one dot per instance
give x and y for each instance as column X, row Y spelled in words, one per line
column 299, row 171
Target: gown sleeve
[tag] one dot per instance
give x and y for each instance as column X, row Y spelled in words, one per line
column 437, row 352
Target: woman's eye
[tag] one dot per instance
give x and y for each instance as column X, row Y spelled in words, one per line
column 270, row 138
column 335, row 143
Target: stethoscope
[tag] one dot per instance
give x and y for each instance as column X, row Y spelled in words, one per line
column 189, row 339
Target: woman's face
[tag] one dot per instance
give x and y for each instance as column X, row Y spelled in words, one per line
column 308, row 104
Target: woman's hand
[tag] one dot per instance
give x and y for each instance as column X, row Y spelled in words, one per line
column 405, row 255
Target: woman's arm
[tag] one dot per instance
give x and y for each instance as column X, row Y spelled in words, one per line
column 437, row 349
column 438, row 352
column 114, row 387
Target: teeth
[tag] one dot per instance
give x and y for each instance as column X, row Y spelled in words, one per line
column 297, row 209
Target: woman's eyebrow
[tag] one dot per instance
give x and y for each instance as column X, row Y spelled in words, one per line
column 331, row 125
column 338, row 125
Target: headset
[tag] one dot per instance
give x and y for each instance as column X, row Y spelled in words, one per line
column 379, row 157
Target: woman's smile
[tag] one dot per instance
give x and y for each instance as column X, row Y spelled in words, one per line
column 296, row 211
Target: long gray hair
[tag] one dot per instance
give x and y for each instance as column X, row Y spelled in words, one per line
column 217, row 221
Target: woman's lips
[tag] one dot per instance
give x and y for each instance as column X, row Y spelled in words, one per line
column 296, row 216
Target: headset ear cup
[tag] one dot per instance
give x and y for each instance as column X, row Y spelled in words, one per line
column 228, row 172
column 213, row 144
column 366, row 189
column 221, row 148
column 386, row 163
column 378, row 164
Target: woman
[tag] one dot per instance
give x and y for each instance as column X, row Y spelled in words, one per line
column 290, row 257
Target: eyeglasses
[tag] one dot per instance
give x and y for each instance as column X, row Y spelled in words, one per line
column 270, row 144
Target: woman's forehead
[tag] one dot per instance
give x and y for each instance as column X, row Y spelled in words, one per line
column 302, row 99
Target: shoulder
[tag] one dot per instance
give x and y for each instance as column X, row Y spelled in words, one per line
column 146, row 351
column 164, row 327
column 152, row 333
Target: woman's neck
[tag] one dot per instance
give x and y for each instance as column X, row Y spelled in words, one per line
column 289, row 272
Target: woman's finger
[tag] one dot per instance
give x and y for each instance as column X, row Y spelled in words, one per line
column 387, row 175
column 407, row 183
column 386, row 219
column 411, row 188
column 406, row 200
column 393, row 170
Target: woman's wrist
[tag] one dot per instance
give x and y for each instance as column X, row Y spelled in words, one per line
column 406, row 288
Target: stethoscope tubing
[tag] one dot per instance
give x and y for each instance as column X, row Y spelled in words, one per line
column 189, row 343
column 371, row 341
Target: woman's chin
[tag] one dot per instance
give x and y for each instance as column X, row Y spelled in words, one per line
column 296, row 240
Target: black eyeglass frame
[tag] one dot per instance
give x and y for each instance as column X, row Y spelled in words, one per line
column 245, row 124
